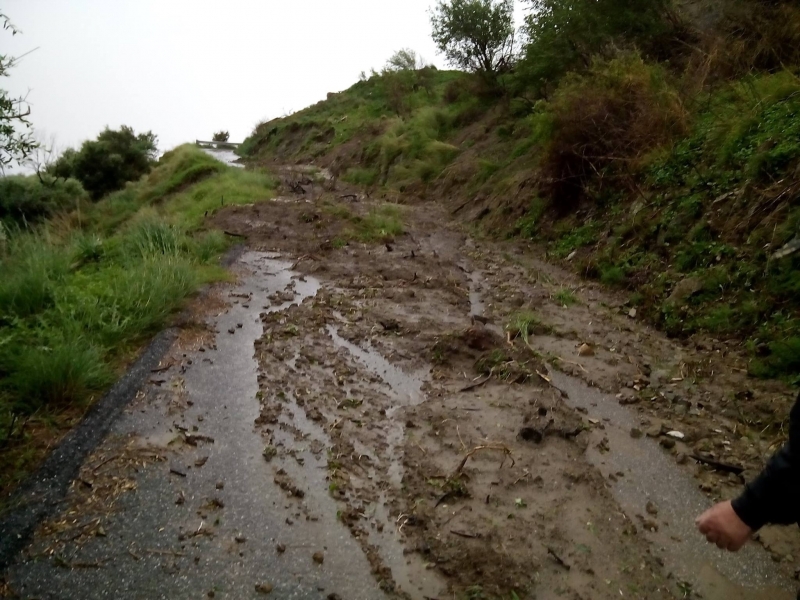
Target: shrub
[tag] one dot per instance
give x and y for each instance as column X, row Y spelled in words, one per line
column 598, row 125
column 565, row 35
column 107, row 163
column 754, row 36
column 26, row 199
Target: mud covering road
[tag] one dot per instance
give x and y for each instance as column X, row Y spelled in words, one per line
column 358, row 421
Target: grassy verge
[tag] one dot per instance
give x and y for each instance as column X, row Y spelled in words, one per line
column 696, row 243
column 81, row 294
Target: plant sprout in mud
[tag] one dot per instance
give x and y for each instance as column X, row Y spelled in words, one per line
column 523, row 324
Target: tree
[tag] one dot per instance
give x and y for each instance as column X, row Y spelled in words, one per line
column 564, row 35
column 475, row 35
column 16, row 139
column 404, row 60
column 221, row 136
column 104, row 165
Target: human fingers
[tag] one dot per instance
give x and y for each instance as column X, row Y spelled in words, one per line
column 713, row 537
column 703, row 524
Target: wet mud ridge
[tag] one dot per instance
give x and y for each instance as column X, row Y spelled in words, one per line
column 417, row 419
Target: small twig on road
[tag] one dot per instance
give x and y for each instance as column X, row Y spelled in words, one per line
column 557, row 558
column 463, row 534
column 719, row 466
column 502, row 447
column 165, row 552
column 105, row 462
column 569, row 362
column 479, row 383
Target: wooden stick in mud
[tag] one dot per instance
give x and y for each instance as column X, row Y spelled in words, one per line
column 502, row 447
column 719, row 466
column 476, row 385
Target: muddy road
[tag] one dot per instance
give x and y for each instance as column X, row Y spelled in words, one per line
column 430, row 416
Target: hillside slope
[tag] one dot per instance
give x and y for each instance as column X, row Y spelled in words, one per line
column 680, row 192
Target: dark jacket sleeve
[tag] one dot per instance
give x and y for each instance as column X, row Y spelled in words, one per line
column 774, row 497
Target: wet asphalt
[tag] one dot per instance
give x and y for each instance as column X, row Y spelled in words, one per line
column 152, row 549
column 651, row 475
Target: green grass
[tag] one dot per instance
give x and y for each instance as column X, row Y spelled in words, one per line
column 524, row 324
column 80, row 294
column 565, row 297
column 380, row 224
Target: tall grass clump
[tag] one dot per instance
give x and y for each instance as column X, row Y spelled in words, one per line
column 32, row 269
column 65, row 371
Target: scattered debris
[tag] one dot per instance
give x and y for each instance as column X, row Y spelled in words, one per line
column 264, row 588
column 717, row 465
column 558, row 558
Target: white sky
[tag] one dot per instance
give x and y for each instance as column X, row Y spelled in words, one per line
column 186, row 68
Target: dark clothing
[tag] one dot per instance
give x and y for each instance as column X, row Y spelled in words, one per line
column 774, row 497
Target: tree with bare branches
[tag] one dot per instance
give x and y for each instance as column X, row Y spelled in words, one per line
column 16, row 137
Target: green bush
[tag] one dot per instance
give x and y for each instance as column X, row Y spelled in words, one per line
column 104, row 165
column 26, row 199
column 566, row 35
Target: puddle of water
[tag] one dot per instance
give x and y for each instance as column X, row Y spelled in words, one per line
column 409, row 572
column 652, row 474
column 477, row 306
column 407, row 389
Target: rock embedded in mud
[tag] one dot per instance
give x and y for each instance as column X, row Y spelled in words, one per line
column 318, row 557
column 684, row 290
column 280, row 548
column 651, row 508
column 586, row 350
column 264, row 588
column 667, row 443
column 637, row 433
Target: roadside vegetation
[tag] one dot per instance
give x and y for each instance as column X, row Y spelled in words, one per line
column 82, row 291
column 651, row 145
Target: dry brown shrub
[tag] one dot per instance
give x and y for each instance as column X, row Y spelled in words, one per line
column 601, row 124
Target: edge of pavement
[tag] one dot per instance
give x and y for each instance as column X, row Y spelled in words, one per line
column 42, row 492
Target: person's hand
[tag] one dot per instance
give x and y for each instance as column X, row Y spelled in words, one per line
column 723, row 527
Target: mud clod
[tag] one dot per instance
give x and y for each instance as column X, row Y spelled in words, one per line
column 264, row 588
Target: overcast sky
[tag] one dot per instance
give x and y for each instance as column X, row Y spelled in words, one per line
column 186, row 68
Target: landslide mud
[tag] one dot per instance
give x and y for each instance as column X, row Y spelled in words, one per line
column 378, row 432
